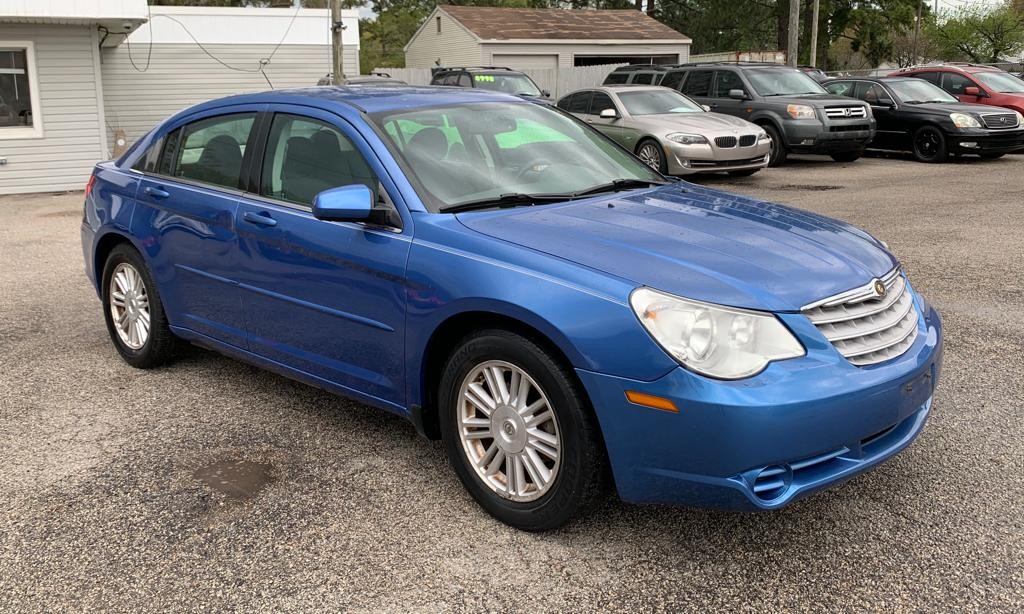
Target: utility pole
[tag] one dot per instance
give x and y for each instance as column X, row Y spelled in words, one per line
column 794, row 33
column 814, row 33
column 337, row 49
column 917, row 30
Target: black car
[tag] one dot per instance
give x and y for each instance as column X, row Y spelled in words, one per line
column 798, row 114
column 494, row 78
column 917, row 116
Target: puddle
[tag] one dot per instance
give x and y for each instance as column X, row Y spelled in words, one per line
column 237, row 479
column 72, row 213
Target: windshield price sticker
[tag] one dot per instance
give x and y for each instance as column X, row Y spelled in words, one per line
column 483, row 78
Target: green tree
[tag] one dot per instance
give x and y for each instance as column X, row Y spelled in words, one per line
column 979, row 33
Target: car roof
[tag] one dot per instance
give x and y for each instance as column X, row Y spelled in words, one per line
column 968, row 68
column 625, row 87
column 370, row 98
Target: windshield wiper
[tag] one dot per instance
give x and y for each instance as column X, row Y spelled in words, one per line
column 618, row 185
column 505, row 200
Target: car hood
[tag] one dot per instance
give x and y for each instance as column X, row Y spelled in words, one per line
column 820, row 100
column 700, row 122
column 699, row 243
column 945, row 108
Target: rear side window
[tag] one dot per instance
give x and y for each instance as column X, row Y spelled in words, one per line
column 930, row 77
column 956, row 83
column 211, row 149
column 463, row 81
column 580, row 102
column 600, row 102
column 148, row 162
column 306, row 156
column 643, row 78
column 840, row 88
column 616, row 78
column 698, row 83
column 673, row 79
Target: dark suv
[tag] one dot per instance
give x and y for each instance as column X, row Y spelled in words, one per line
column 799, row 115
column 494, row 78
column 636, row 74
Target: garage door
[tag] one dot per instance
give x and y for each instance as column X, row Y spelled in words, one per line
column 525, row 60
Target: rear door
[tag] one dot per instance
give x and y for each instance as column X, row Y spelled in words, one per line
column 186, row 221
column 697, row 85
column 325, row 298
column 892, row 128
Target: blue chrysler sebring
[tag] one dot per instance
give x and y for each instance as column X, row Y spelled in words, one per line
column 517, row 285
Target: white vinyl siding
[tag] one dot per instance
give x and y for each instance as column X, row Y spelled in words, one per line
column 566, row 52
column 454, row 45
column 526, row 60
column 67, row 97
column 182, row 75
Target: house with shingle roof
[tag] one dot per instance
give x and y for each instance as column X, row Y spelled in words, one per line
column 524, row 38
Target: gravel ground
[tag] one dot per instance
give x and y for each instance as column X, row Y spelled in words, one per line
column 105, row 500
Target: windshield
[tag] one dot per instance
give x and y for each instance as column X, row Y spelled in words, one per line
column 782, row 82
column 1002, row 82
column 475, row 151
column 508, row 83
column 917, row 90
column 655, row 102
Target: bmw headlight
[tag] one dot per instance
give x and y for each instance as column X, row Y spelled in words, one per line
column 800, row 111
column 763, row 137
column 687, row 139
column 963, row 120
column 717, row 341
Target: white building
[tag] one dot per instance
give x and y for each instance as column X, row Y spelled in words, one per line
column 75, row 73
column 524, row 38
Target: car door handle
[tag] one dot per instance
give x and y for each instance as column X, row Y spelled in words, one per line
column 260, row 219
column 156, row 192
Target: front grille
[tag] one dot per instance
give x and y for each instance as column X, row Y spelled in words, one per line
column 725, row 142
column 725, row 163
column 999, row 121
column 747, row 140
column 867, row 328
column 845, row 112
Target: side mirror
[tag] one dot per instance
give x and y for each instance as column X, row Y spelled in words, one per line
column 609, row 114
column 738, row 94
column 973, row 91
column 705, row 107
column 545, row 94
column 348, row 203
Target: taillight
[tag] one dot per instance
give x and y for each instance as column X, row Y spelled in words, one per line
column 88, row 184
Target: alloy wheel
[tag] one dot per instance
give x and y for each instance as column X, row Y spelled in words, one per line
column 508, row 431
column 129, row 306
column 651, row 155
column 927, row 143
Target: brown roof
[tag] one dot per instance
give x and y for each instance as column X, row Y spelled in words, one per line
column 498, row 23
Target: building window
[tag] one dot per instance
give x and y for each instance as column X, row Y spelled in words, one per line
column 438, row 24
column 19, row 103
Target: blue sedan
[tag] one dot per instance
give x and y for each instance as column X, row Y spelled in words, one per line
column 517, row 285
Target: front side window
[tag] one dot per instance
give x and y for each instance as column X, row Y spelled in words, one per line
column 211, row 149
column 600, row 102
column 657, row 102
column 16, row 95
column 306, row 156
column 507, row 83
column 503, row 149
column 727, row 80
column 782, row 82
column 1001, row 82
column 956, row 83
column 698, row 83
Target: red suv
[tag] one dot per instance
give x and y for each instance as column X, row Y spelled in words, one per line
column 975, row 83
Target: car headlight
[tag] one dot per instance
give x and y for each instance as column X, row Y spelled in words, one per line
column 963, row 120
column 686, row 139
column 1020, row 118
column 763, row 137
column 868, row 112
column 717, row 341
column 800, row 111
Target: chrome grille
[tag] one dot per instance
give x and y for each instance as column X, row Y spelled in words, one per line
column 725, row 142
column 747, row 140
column 867, row 328
column 999, row 120
column 845, row 112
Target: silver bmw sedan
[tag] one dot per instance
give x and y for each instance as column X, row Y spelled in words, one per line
column 671, row 132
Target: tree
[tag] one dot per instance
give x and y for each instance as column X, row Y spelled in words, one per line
column 979, row 33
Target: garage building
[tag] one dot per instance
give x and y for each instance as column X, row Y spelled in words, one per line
column 542, row 38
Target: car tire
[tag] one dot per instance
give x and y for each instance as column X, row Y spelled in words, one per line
column 134, row 312
column 992, row 156
column 930, row 145
column 554, row 415
column 847, row 156
column 652, row 154
column 778, row 153
column 744, row 173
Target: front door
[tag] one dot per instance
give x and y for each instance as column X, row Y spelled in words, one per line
column 326, row 298
column 725, row 82
column 617, row 128
column 187, row 207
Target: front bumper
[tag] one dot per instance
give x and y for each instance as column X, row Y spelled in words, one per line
column 817, row 137
column 978, row 141
column 709, row 158
column 799, row 426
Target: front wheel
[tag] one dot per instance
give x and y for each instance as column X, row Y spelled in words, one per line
column 652, row 154
column 778, row 153
column 847, row 156
column 930, row 145
column 518, row 431
column 133, row 310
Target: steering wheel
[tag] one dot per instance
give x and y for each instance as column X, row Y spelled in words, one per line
column 532, row 167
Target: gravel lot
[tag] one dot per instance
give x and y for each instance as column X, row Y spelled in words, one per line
column 101, row 505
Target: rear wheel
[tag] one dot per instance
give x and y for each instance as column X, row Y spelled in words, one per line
column 133, row 311
column 651, row 152
column 847, row 156
column 930, row 145
column 778, row 153
column 519, row 432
